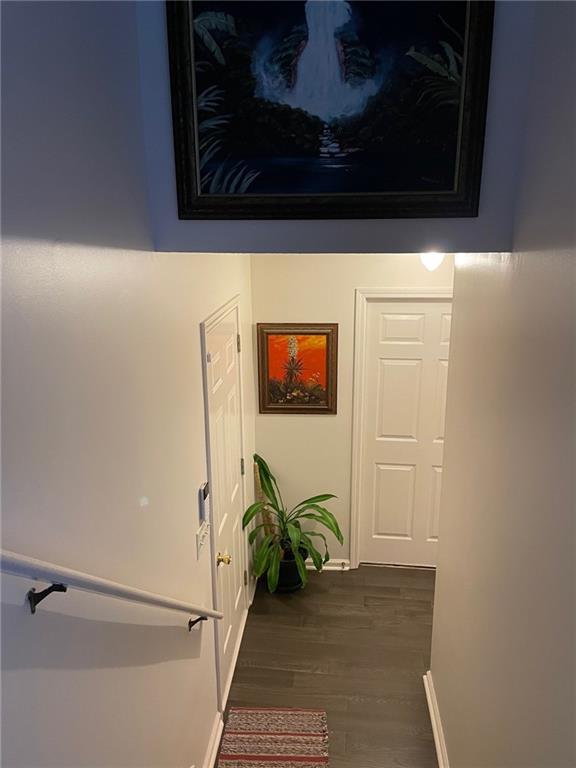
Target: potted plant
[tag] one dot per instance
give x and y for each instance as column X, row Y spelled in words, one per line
column 284, row 545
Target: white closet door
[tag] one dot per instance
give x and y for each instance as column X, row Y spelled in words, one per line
column 223, row 392
column 404, row 402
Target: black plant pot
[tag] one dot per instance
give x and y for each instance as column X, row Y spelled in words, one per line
column 289, row 579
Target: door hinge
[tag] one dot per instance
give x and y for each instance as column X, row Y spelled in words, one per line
column 238, row 343
column 245, row 578
column 208, row 357
column 242, row 467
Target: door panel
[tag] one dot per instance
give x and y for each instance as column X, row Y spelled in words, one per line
column 225, row 449
column 398, row 392
column 440, row 400
column 404, row 402
column 402, row 329
column 434, row 510
column 393, row 500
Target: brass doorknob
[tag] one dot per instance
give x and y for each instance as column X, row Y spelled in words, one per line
column 226, row 559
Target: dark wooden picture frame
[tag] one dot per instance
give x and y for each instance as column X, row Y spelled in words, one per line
column 298, row 367
column 458, row 198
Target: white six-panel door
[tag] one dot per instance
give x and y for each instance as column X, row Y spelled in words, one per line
column 403, row 407
column 224, row 416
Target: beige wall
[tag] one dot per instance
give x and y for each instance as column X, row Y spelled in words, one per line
column 103, row 408
column 103, row 442
column 312, row 454
column 503, row 636
column 502, row 657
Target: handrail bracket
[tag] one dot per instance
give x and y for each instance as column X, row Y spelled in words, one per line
column 36, row 597
column 193, row 622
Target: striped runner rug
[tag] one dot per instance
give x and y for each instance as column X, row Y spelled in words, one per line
column 274, row 738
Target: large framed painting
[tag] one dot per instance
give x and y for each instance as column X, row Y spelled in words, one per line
column 328, row 108
column 298, row 367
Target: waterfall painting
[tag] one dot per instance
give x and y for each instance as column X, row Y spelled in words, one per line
column 297, row 367
column 329, row 108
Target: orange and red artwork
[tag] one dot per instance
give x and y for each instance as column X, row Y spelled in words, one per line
column 297, row 367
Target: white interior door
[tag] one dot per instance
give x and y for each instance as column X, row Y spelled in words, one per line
column 224, row 426
column 403, row 406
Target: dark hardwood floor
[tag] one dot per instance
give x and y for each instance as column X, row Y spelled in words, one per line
column 356, row 644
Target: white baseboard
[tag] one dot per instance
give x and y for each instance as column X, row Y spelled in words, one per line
column 439, row 741
column 337, row 564
column 214, row 743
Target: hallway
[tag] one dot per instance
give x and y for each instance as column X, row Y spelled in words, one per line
column 356, row 644
column 139, row 276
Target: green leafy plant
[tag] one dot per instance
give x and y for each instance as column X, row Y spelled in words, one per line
column 282, row 535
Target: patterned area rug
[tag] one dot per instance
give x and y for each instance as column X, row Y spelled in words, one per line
column 274, row 738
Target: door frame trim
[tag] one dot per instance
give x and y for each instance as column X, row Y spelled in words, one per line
column 364, row 296
column 223, row 686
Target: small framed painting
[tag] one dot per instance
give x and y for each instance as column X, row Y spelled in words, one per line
column 303, row 109
column 298, row 367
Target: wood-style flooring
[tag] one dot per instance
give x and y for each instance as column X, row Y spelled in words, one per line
column 356, row 644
